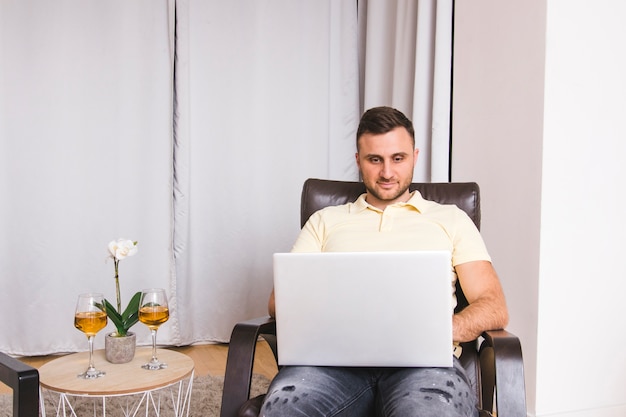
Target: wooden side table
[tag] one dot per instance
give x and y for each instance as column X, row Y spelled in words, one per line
column 140, row 387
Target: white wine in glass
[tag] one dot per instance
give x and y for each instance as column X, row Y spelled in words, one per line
column 153, row 312
column 90, row 317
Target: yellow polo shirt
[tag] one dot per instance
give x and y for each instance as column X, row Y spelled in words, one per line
column 418, row 224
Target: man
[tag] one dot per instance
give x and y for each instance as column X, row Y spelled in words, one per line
column 389, row 217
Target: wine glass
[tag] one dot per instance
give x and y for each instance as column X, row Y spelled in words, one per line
column 90, row 317
column 153, row 311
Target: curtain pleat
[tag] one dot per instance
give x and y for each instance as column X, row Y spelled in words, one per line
column 283, row 82
column 85, row 99
column 442, row 93
column 406, row 63
column 189, row 126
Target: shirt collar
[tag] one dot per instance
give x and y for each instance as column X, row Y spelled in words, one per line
column 416, row 200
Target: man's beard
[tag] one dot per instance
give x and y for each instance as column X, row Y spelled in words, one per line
column 403, row 188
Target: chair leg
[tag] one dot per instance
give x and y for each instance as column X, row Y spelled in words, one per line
column 239, row 362
column 24, row 380
column 487, row 378
column 503, row 352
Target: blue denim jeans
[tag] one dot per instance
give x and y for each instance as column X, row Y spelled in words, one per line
column 387, row 392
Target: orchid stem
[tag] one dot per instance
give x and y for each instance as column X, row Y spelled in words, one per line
column 117, row 286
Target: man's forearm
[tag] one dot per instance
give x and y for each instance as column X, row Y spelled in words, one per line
column 479, row 316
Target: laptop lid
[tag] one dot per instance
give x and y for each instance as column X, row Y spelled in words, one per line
column 364, row 308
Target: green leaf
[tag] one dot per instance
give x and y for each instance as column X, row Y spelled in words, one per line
column 133, row 306
column 101, row 307
column 115, row 317
column 123, row 322
column 130, row 317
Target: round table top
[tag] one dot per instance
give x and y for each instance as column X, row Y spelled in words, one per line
column 60, row 374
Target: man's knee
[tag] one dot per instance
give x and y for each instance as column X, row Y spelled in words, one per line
column 440, row 392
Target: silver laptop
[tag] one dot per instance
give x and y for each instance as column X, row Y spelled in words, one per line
column 364, row 308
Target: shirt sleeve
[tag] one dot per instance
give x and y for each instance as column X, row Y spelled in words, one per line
column 311, row 237
column 467, row 242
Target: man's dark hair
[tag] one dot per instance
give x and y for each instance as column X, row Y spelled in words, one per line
column 379, row 120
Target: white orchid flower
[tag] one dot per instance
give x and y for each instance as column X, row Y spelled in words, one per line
column 122, row 248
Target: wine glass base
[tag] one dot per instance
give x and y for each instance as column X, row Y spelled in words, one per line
column 91, row 374
column 154, row 366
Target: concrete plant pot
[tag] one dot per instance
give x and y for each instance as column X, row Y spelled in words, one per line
column 120, row 349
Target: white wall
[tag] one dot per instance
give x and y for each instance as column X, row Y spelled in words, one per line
column 582, row 221
column 544, row 137
column 497, row 132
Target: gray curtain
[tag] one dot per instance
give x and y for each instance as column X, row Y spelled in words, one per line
column 188, row 126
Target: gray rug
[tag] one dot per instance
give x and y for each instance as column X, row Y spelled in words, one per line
column 206, row 399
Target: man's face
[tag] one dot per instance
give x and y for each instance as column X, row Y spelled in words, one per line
column 386, row 165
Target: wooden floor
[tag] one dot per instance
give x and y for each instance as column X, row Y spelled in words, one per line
column 209, row 359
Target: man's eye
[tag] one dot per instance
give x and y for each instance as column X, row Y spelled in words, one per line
column 375, row 160
column 398, row 158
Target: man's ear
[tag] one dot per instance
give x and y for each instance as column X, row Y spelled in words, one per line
column 415, row 153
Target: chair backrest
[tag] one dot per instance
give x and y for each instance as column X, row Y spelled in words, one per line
column 318, row 193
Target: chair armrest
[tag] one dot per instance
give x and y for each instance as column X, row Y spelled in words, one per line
column 502, row 366
column 24, row 380
column 240, row 360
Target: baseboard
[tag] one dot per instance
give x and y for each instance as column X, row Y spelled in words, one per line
column 618, row 411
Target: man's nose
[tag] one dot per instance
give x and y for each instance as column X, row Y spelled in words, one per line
column 386, row 171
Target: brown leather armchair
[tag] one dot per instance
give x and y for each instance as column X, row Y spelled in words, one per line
column 494, row 364
column 24, row 380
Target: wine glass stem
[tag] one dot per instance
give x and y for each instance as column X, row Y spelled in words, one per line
column 90, row 340
column 154, row 332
